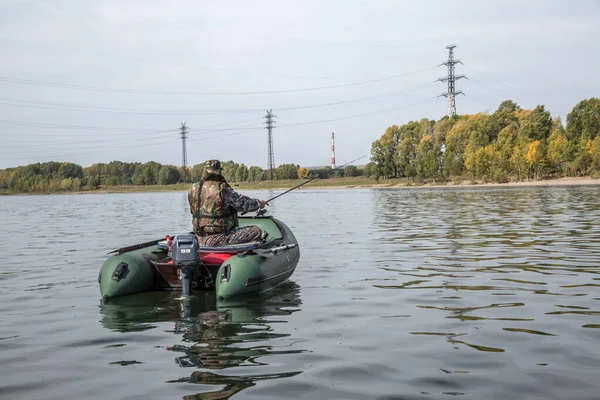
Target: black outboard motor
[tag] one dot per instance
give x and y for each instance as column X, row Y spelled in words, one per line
column 184, row 254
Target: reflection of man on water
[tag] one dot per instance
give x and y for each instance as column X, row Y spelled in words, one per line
column 214, row 206
column 232, row 336
column 213, row 332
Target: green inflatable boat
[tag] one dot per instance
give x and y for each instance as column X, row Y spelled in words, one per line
column 179, row 263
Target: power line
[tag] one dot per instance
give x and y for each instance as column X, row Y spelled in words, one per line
column 110, row 143
column 78, row 127
column 135, row 136
column 94, row 144
column 361, row 115
column 85, row 108
column 176, row 93
column 479, row 83
column 100, row 128
column 103, row 138
column 509, row 87
column 138, row 59
column 479, row 101
column 451, row 79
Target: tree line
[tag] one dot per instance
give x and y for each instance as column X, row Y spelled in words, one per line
column 51, row 177
column 511, row 143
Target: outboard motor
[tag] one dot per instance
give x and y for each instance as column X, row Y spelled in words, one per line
column 184, row 254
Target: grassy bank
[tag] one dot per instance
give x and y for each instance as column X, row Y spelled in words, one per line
column 336, row 183
column 260, row 185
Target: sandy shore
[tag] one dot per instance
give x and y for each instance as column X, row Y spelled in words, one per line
column 467, row 184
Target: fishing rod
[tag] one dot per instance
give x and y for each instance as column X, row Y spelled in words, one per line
column 312, row 179
column 136, row 246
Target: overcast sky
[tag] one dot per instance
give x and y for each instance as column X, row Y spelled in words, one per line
column 97, row 81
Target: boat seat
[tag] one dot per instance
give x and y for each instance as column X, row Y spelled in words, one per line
column 214, row 258
column 230, row 248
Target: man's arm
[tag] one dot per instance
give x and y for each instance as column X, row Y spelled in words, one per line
column 192, row 195
column 240, row 202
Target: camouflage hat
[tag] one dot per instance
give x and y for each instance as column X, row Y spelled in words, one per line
column 212, row 166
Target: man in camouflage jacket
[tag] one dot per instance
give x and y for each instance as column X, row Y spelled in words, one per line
column 214, row 206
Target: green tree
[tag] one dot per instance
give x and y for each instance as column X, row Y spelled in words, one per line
column 380, row 159
column 196, row 172
column 241, row 173
column 351, row 170
column 456, row 141
column 583, row 122
column 504, row 116
column 287, row 171
column 69, row 170
column 538, row 125
column 595, row 154
column 92, row 175
column 426, row 163
column 388, row 150
column 229, row 170
column 441, row 130
column 168, row 175
column 406, row 154
column 368, row 169
column 504, row 148
column 255, row 174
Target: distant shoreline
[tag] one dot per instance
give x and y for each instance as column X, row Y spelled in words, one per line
column 467, row 184
column 336, row 183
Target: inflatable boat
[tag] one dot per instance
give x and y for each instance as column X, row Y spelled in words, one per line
column 180, row 263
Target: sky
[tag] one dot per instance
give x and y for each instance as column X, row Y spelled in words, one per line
column 89, row 82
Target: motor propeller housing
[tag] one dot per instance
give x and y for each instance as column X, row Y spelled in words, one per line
column 184, row 253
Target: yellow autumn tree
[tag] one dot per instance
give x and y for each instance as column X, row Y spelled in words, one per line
column 522, row 115
column 456, row 141
column 535, row 158
column 66, row 184
column 486, row 163
column 595, row 153
column 302, row 173
column 557, row 150
column 504, row 146
column 478, row 138
column 518, row 161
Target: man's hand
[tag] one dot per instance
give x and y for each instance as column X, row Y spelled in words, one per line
column 262, row 204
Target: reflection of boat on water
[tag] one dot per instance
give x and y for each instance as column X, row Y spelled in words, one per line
column 215, row 335
column 143, row 311
column 140, row 312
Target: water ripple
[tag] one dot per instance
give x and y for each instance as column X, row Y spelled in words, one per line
column 484, row 293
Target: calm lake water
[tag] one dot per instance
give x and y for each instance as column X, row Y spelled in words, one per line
column 485, row 293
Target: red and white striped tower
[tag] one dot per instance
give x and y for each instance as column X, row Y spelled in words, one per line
column 332, row 152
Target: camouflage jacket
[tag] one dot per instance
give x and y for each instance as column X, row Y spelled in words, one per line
column 215, row 207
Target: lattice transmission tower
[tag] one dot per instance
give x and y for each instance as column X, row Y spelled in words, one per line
column 270, row 121
column 183, row 132
column 451, row 79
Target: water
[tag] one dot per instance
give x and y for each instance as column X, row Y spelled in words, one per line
column 399, row 294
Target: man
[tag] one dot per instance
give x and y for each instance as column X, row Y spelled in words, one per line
column 214, row 206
